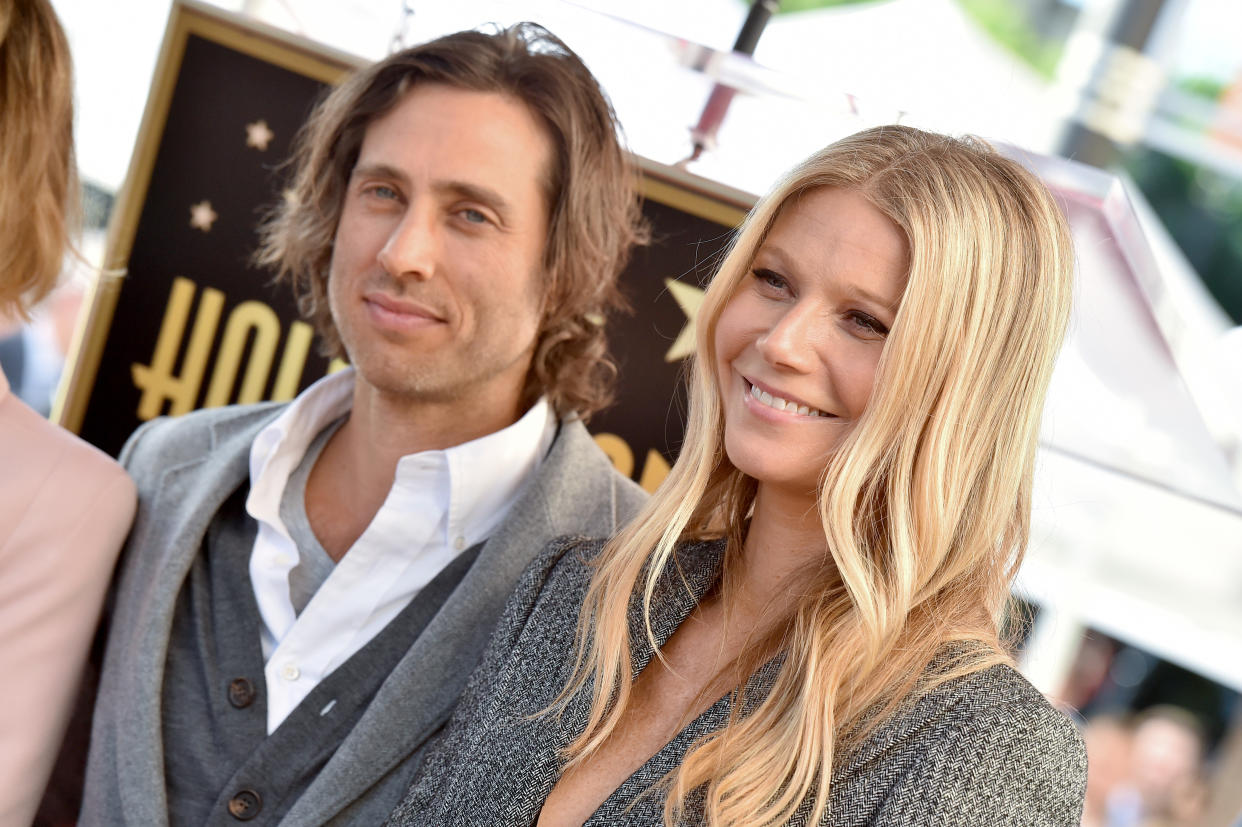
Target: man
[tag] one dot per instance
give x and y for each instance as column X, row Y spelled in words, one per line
column 308, row 586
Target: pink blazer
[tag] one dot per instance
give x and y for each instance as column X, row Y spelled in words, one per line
column 65, row 508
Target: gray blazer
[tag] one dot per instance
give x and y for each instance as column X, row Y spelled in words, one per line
column 983, row 750
column 185, row 469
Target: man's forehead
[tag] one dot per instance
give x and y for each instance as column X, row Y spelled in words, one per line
column 484, row 143
column 439, row 108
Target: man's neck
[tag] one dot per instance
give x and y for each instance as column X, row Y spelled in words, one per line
column 353, row 475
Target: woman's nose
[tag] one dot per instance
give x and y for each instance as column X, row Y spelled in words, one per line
column 789, row 342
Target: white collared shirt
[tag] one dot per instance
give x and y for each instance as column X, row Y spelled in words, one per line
column 440, row 503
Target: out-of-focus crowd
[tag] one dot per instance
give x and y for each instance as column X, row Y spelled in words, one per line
column 1146, row 770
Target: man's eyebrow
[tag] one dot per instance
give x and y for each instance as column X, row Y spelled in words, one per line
column 474, row 192
column 461, row 189
column 377, row 171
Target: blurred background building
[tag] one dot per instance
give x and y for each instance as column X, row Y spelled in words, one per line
column 1133, row 585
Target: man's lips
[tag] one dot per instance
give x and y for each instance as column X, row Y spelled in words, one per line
column 404, row 307
column 397, row 312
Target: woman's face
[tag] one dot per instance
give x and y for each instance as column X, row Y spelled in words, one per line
column 797, row 345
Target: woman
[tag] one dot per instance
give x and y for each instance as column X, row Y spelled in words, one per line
column 64, row 506
column 802, row 625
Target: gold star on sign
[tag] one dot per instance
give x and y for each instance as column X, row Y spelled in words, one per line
column 258, row 135
column 689, row 299
column 202, row 216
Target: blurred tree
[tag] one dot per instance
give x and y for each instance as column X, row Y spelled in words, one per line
column 1202, row 209
column 1013, row 26
column 1202, row 87
column 1033, row 30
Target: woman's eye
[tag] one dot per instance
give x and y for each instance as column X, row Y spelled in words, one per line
column 771, row 279
column 869, row 323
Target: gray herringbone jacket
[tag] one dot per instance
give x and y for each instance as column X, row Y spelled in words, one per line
column 983, row 750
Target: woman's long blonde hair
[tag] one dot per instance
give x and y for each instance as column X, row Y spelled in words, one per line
column 38, row 205
column 926, row 504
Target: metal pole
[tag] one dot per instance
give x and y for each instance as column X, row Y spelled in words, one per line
column 1119, row 89
column 703, row 134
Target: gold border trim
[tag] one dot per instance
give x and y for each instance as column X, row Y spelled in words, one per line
column 692, row 194
column 186, row 18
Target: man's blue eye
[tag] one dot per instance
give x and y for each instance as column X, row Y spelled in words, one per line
column 474, row 216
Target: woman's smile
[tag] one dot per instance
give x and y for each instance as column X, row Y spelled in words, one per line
column 767, row 397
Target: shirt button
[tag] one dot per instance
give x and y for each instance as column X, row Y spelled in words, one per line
column 245, row 805
column 459, row 543
column 241, row 693
column 291, row 672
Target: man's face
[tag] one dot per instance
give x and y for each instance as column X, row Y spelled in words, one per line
column 435, row 281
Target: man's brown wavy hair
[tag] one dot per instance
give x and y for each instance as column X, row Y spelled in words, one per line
column 594, row 216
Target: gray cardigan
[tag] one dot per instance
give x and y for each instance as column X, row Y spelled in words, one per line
column 983, row 750
column 185, row 468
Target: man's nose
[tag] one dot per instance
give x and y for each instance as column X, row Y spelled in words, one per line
column 789, row 342
column 412, row 248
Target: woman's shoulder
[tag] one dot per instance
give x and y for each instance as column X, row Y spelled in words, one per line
column 65, row 509
column 544, row 606
column 49, row 467
column 1000, row 698
column 996, row 704
column 984, row 745
column 552, row 582
column 571, row 557
column 567, row 564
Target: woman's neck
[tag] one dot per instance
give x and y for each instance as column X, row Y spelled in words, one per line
column 784, row 542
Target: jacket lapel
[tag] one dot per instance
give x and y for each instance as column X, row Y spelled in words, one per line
column 695, row 569
column 574, row 490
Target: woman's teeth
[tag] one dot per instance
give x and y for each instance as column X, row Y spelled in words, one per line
column 782, row 405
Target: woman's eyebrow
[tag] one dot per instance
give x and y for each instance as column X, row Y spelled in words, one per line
column 864, row 293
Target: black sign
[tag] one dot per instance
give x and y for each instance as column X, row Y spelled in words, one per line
column 193, row 324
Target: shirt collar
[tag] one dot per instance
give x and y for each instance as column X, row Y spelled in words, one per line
column 280, row 446
column 485, row 475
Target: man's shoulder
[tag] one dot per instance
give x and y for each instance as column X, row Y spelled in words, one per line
column 587, row 471
column 168, row 440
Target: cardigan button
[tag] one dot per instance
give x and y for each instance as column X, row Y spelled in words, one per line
column 245, row 805
column 241, row 692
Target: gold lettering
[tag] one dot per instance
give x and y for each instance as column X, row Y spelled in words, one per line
column 156, row 381
column 247, row 316
column 293, row 361
column 655, row 469
column 618, row 451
